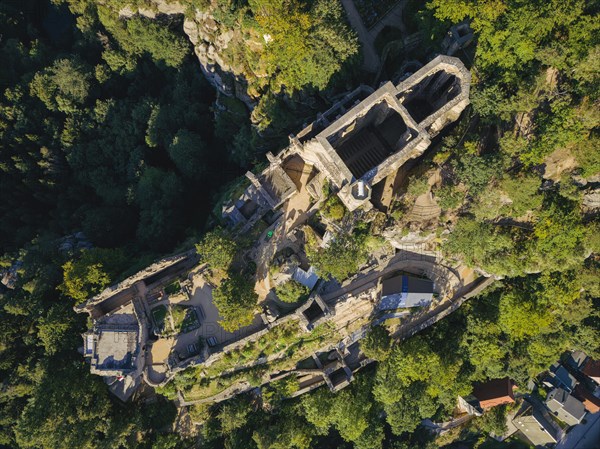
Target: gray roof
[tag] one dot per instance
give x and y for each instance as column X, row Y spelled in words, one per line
column 534, row 426
column 405, row 291
column 565, row 407
column 115, row 349
column 577, row 359
column 277, row 183
column 562, row 377
column 307, row 278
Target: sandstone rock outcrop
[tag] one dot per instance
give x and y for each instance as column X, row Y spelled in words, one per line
column 215, row 46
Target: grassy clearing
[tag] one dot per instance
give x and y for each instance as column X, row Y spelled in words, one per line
column 185, row 319
column 159, row 314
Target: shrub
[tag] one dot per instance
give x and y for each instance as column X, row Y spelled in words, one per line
column 417, row 186
column 292, row 291
column 333, row 208
column 477, row 171
column 448, row 197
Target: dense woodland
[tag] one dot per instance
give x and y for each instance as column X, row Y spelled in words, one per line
column 108, row 128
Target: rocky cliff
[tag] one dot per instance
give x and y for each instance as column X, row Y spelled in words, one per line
column 230, row 56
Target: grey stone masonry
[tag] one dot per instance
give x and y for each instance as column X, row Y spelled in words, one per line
column 439, row 92
column 368, row 135
column 379, row 134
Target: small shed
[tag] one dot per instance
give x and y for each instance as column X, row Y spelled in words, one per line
column 405, row 291
column 307, row 278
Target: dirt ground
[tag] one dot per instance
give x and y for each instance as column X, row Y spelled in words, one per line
column 298, row 204
column 294, row 213
column 209, row 327
column 559, row 162
column 159, row 354
column 161, row 350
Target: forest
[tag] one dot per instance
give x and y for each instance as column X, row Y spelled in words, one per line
column 115, row 149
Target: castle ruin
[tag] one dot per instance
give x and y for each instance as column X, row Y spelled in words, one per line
column 361, row 141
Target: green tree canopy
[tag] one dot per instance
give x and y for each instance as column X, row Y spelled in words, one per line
column 236, row 301
column 91, row 273
column 64, row 86
column 377, row 343
column 304, row 45
column 69, row 409
column 292, row 291
column 343, row 257
column 217, row 249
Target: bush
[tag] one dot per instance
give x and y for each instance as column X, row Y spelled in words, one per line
column 448, row 197
column 172, row 288
column 292, row 291
column 477, row 171
column 417, row 186
column 333, row 208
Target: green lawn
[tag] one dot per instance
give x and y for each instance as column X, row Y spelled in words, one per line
column 172, row 288
column 159, row 314
column 185, row 319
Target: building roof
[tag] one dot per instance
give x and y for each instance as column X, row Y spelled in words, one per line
column 494, row 392
column 576, row 359
column 113, row 343
column 589, row 401
column 115, row 349
column 565, row 407
column 562, row 377
column 277, row 183
column 307, row 278
column 405, row 291
column 535, row 427
column 592, row 370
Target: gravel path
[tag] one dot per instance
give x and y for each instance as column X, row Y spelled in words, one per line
column 370, row 58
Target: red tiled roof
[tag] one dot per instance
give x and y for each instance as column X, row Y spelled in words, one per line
column 590, row 402
column 592, row 369
column 494, row 392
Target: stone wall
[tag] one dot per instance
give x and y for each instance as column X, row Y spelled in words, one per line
column 128, row 283
column 319, row 151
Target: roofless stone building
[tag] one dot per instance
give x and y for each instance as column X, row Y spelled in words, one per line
column 392, row 125
column 369, row 135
